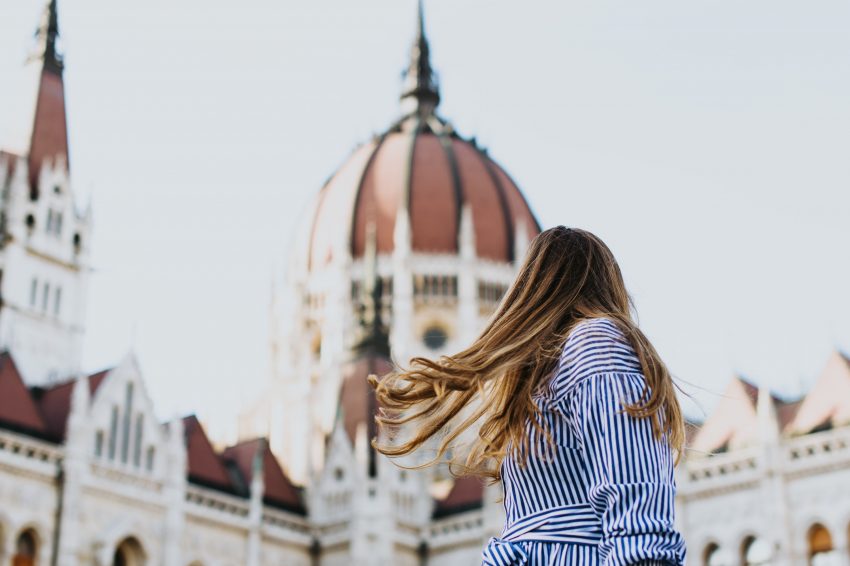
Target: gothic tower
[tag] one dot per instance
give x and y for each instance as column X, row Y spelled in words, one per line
column 43, row 236
column 358, row 489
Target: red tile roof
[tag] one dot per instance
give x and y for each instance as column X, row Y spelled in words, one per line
column 466, row 494
column 357, row 402
column 204, row 464
column 357, row 398
column 17, row 408
column 734, row 419
column 785, row 408
column 54, row 402
column 278, row 489
column 49, row 129
column 827, row 403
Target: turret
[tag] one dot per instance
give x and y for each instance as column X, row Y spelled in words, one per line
column 44, row 238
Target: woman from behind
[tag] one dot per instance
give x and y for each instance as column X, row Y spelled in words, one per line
column 569, row 406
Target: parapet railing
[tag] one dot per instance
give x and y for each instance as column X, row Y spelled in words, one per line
column 817, row 450
column 133, row 479
column 790, row 456
column 286, row 521
column 217, row 502
column 461, row 526
column 718, row 469
column 27, row 451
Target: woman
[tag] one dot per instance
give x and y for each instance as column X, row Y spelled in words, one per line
column 575, row 412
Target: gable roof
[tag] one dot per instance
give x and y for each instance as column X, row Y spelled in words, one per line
column 203, row 463
column 18, row 410
column 54, row 402
column 734, row 421
column 43, row 412
column 828, row 401
column 278, row 489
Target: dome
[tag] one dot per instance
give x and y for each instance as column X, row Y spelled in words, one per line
column 421, row 165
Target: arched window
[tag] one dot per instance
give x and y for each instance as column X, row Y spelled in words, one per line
column 821, row 551
column 129, row 553
column 710, row 554
column 25, row 549
column 755, row 552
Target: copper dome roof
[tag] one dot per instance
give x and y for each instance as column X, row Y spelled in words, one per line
column 423, row 165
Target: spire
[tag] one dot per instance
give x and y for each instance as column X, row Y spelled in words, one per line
column 421, row 93
column 374, row 337
column 49, row 140
column 47, row 33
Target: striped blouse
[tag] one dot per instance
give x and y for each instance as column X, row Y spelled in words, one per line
column 604, row 493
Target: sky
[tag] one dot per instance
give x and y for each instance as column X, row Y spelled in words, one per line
column 706, row 142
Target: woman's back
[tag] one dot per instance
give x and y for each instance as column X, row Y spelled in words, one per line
column 603, row 491
column 583, row 429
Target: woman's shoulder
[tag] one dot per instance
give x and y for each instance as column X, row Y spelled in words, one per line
column 598, row 326
column 594, row 346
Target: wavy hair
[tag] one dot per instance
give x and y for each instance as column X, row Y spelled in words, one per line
column 568, row 275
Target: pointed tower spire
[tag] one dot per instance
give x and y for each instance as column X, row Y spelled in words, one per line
column 49, row 140
column 421, row 92
column 47, row 33
column 374, row 335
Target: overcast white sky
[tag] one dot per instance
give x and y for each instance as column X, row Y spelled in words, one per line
column 706, row 141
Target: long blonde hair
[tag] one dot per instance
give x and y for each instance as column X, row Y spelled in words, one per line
column 568, row 275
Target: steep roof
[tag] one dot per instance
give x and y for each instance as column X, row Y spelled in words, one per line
column 828, row 401
column 466, row 494
column 18, row 410
column 278, row 489
column 49, row 138
column 54, row 402
column 205, row 466
column 357, row 402
column 734, row 421
column 43, row 412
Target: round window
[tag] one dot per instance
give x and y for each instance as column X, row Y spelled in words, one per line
column 435, row 337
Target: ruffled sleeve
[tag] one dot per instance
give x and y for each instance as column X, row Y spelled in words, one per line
column 630, row 480
column 594, row 346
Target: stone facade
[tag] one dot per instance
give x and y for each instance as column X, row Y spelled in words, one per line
column 110, row 492
column 766, row 479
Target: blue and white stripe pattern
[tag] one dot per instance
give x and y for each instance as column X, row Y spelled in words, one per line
column 605, row 494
